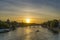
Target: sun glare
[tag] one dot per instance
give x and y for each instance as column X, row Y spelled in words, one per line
column 27, row 20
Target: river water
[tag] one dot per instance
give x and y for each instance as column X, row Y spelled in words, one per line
column 29, row 33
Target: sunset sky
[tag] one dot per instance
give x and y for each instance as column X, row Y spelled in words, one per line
column 41, row 10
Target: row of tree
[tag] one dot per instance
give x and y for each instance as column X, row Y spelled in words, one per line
column 14, row 24
column 51, row 24
column 8, row 24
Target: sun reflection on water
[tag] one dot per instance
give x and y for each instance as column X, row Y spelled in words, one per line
column 28, row 32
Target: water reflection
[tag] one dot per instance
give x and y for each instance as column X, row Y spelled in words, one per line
column 55, row 36
column 28, row 30
column 29, row 33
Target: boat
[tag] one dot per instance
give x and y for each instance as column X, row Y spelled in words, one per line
column 4, row 30
column 37, row 30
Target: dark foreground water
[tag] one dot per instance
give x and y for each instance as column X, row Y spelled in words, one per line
column 29, row 33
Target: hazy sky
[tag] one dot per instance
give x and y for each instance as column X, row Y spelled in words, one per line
column 46, row 9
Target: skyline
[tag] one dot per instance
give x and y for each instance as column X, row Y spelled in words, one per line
column 34, row 9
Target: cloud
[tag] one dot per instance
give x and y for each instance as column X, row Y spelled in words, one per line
column 36, row 8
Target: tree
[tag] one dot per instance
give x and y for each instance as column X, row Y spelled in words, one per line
column 54, row 23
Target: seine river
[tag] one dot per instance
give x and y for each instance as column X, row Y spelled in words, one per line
column 30, row 33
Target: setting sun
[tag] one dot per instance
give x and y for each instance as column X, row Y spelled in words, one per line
column 27, row 20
